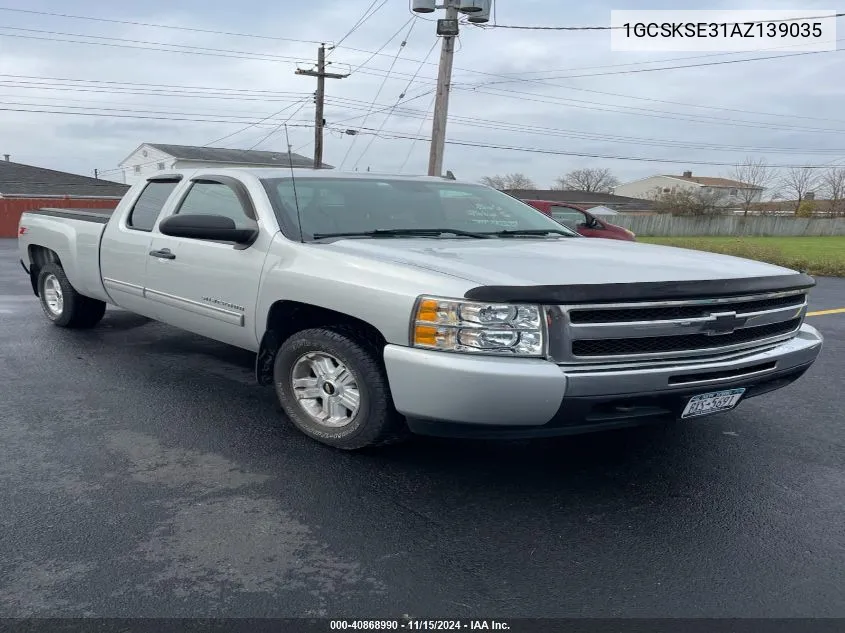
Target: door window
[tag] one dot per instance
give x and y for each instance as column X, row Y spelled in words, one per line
column 149, row 204
column 212, row 198
column 571, row 218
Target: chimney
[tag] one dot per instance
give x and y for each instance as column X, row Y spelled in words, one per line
column 687, row 174
column 6, row 157
column 810, row 195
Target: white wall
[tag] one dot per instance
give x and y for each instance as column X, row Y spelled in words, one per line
column 139, row 167
column 645, row 189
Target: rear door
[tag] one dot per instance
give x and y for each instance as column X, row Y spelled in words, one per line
column 207, row 286
column 125, row 246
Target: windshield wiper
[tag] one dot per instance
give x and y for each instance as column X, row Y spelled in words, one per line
column 540, row 232
column 403, row 233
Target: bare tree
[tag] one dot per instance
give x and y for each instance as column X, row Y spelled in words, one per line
column 797, row 182
column 756, row 174
column 683, row 201
column 833, row 185
column 509, row 181
column 593, row 180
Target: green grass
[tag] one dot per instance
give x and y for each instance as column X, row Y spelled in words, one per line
column 814, row 255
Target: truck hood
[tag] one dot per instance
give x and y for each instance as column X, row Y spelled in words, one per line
column 528, row 262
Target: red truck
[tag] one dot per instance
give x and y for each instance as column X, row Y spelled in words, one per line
column 581, row 220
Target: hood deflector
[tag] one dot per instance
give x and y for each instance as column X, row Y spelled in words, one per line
column 646, row 291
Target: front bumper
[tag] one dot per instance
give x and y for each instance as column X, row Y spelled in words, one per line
column 456, row 395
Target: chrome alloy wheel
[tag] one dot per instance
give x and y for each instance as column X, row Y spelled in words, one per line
column 325, row 389
column 53, row 296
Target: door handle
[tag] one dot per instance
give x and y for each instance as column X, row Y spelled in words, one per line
column 163, row 254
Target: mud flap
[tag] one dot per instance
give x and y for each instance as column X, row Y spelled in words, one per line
column 266, row 356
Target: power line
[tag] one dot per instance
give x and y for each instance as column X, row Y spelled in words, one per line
column 278, row 38
column 707, row 107
column 159, row 26
column 660, row 114
column 361, row 21
column 536, row 150
column 381, row 48
column 380, row 88
column 721, row 63
column 520, row 75
column 128, row 116
column 175, row 48
column 250, row 55
column 468, row 121
column 252, row 125
column 280, row 125
column 398, row 100
column 423, row 119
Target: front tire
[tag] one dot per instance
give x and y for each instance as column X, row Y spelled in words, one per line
column 332, row 385
column 62, row 304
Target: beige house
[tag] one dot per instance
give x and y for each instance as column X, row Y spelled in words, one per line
column 729, row 191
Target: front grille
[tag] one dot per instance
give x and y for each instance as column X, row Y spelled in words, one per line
column 660, row 344
column 630, row 314
column 683, row 329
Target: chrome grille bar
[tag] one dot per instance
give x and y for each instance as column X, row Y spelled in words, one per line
column 634, row 331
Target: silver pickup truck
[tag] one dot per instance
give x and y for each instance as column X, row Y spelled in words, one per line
column 381, row 304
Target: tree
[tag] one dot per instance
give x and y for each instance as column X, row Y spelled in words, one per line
column 509, row 181
column 833, row 186
column 684, row 201
column 755, row 173
column 591, row 180
column 797, row 182
column 806, row 209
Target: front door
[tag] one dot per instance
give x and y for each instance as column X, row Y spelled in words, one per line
column 206, row 286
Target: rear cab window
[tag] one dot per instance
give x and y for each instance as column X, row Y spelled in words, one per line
column 148, row 206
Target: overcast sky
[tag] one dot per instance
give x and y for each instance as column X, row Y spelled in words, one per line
column 625, row 121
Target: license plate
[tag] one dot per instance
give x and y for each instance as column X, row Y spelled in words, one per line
column 705, row 403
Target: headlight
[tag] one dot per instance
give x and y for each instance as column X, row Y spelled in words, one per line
column 485, row 328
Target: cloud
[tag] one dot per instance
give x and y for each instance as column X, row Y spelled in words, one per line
column 635, row 105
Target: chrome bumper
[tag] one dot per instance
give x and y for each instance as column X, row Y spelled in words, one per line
column 438, row 386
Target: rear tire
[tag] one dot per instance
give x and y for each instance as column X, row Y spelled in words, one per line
column 62, row 304
column 332, row 385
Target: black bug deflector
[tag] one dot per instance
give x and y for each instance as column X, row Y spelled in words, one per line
column 645, row 291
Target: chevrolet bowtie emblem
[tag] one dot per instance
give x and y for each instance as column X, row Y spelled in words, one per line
column 721, row 323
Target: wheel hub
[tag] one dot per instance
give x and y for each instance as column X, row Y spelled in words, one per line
column 53, row 296
column 325, row 389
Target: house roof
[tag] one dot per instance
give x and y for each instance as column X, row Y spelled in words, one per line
column 234, row 156
column 17, row 179
column 582, row 198
column 708, row 181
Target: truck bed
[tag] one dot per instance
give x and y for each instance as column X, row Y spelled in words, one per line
column 74, row 236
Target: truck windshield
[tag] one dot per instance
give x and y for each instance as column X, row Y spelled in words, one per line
column 358, row 206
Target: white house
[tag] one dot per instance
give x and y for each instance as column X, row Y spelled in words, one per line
column 730, row 191
column 150, row 158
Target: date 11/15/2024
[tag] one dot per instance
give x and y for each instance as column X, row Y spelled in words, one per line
column 419, row 625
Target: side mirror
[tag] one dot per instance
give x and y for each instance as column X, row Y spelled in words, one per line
column 207, row 227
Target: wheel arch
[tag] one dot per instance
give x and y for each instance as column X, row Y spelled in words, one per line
column 286, row 318
column 38, row 257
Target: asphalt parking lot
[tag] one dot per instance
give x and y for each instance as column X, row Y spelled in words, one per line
column 143, row 473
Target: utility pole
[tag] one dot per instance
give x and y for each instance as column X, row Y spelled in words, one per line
column 444, row 86
column 478, row 12
column 319, row 99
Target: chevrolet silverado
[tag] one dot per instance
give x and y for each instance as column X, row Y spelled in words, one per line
column 378, row 305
